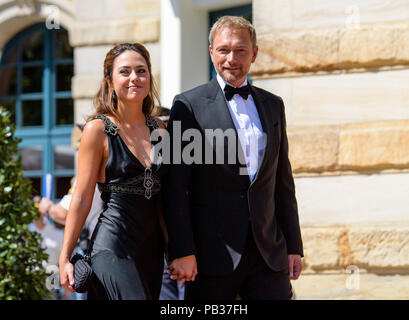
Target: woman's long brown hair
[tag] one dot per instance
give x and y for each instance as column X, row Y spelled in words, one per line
column 105, row 101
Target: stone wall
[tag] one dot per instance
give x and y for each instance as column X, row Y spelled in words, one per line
column 330, row 36
column 111, row 22
column 375, row 249
column 342, row 69
column 337, row 149
column 97, row 29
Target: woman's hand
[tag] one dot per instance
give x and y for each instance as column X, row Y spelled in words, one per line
column 67, row 275
column 90, row 160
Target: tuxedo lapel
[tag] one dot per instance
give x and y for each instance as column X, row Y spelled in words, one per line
column 265, row 115
column 215, row 115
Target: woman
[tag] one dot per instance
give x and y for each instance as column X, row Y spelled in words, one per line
column 127, row 245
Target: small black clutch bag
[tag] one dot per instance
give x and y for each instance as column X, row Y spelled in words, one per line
column 83, row 273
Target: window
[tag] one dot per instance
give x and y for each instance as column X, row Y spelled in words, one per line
column 242, row 11
column 35, row 86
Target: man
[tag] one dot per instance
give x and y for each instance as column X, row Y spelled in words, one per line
column 232, row 234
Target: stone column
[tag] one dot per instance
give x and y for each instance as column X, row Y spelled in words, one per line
column 183, row 48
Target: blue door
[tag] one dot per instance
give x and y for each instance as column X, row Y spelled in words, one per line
column 35, row 86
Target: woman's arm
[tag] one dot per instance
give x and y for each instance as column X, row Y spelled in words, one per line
column 91, row 158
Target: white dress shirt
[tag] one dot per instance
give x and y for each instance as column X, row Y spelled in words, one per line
column 247, row 122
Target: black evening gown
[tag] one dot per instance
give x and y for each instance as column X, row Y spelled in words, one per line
column 127, row 246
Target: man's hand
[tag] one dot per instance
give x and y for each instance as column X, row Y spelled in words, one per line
column 183, row 269
column 295, row 266
column 44, row 205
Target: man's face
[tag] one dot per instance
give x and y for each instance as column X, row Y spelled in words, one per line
column 232, row 54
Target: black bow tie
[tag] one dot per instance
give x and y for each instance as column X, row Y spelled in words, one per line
column 231, row 91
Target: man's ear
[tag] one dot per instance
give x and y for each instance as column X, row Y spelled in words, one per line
column 255, row 51
column 211, row 52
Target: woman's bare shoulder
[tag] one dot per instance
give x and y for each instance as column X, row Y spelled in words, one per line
column 94, row 129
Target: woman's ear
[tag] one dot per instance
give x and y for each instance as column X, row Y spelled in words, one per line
column 109, row 82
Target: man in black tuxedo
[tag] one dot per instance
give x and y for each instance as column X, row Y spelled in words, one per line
column 231, row 233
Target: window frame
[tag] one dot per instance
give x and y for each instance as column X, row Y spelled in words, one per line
column 49, row 133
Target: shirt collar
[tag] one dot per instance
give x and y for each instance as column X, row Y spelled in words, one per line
column 223, row 83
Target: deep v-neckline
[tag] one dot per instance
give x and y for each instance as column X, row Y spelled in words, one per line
column 149, row 123
column 134, row 157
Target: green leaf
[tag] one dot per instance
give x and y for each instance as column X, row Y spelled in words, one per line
column 21, row 255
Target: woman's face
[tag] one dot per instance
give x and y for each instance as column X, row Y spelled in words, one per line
column 130, row 77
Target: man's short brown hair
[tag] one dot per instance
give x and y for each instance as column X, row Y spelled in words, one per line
column 236, row 22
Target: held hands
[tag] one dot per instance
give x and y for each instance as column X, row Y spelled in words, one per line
column 183, row 269
column 295, row 266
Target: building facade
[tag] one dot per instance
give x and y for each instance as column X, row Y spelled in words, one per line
column 341, row 67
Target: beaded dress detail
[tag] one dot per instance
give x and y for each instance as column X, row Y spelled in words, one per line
column 146, row 183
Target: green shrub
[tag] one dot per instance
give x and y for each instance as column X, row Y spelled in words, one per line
column 22, row 275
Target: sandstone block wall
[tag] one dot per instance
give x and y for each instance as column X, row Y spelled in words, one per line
column 342, row 69
column 330, row 36
column 367, row 147
column 374, row 249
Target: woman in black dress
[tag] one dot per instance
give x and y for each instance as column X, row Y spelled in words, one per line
column 116, row 151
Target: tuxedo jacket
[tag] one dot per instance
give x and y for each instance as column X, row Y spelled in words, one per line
column 208, row 205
